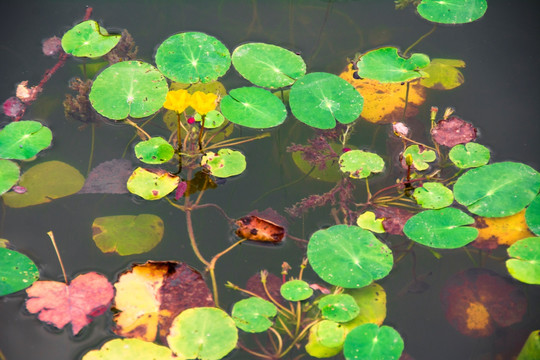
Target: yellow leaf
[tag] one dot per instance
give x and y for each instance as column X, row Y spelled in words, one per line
column 203, row 103
column 177, row 100
column 501, row 231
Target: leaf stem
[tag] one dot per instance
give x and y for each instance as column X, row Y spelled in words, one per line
column 419, row 40
column 51, row 235
column 141, row 131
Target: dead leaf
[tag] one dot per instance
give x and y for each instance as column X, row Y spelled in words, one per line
column 109, row 177
column 394, row 218
column 27, row 94
column 87, row 296
column 493, row 232
column 453, row 131
column 257, row 229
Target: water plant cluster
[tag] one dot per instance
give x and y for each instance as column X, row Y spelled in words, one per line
column 446, row 187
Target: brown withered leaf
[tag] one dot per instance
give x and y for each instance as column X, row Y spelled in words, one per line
column 394, row 218
column 254, row 228
column 493, row 232
column 453, row 131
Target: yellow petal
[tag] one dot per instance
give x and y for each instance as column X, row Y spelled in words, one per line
column 203, row 103
column 177, row 100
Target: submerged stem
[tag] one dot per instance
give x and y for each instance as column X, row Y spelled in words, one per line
column 420, row 39
column 51, row 235
column 142, row 132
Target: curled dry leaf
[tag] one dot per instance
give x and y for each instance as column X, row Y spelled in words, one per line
column 453, row 131
column 27, row 94
column 257, row 229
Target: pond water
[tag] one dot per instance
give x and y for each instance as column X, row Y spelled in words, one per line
column 500, row 97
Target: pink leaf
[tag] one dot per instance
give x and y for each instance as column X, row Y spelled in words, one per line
column 13, row 107
column 52, row 46
column 453, row 131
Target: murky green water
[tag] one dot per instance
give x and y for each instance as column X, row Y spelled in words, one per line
column 500, row 97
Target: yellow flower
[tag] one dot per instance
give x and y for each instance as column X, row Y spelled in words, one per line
column 203, row 103
column 177, row 100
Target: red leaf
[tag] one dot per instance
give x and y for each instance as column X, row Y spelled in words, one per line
column 13, row 107
column 88, row 295
column 453, row 131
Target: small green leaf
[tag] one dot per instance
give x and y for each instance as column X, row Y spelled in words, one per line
column 368, row 221
column 154, row 151
column 296, row 290
column 387, row 66
column 443, row 74
column 213, row 119
column 360, row 164
column 452, row 11
column 133, row 349
column 433, row 196
column 17, row 271
column 469, row 155
column 369, row 341
column 338, row 307
column 152, row 184
column 89, row 40
column 225, row 163
column 524, row 264
column 252, row 314
column 9, row 175
column 421, row 158
column 532, row 215
column 23, row 139
column 325, row 339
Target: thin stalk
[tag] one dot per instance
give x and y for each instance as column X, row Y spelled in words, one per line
column 51, row 235
column 254, row 353
column 419, row 40
column 279, row 339
column 405, row 252
column 475, row 263
column 230, row 220
column 92, row 141
column 298, row 317
column 129, row 122
column 367, row 190
column 285, row 328
column 175, row 205
column 299, row 337
column 135, row 136
column 274, row 300
column 236, row 141
column 406, row 101
column 192, row 237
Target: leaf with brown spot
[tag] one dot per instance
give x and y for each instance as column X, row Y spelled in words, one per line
column 257, row 229
column 493, row 232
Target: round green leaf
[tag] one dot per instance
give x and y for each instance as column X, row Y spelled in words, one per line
column 268, row 65
column 325, row 339
column 421, row 158
column 452, row 11
column 360, row 164
column 524, row 264
column 202, row 333
column 225, row 163
column 497, row 190
column 88, row 39
column 23, row 139
column 532, row 215
column 368, row 221
column 213, row 119
column 296, row 290
column 132, row 349
column 9, row 175
column 443, row 74
column 469, row 155
column 127, row 234
column 45, row 182
column 152, row 184
column 369, row 341
column 321, row 99
column 348, row 256
column 192, row 57
column 17, row 271
column 338, row 307
column 385, row 65
column 128, row 88
column 251, row 315
column 433, row 196
column 253, row 107
column 154, row 151
column 442, row 229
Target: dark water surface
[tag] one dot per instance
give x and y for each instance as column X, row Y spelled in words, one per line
column 500, row 97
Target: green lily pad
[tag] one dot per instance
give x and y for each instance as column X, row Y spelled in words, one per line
column 387, row 66
column 23, row 139
column 372, row 302
column 202, row 333
column 9, row 175
column 225, row 163
column 128, row 88
column 17, row 271
column 532, row 215
column 348, row 256
column 360, row 164
column 325, row 339
column 421, row 158
column 368, row 221
column 253, row 107
column 497, row 190
column 433, row 196
column 524, row 264
column 369, row 341
column 441, row 229
column 266, row 65
column 338, row 307
column 321, row 99
column 45, row 182
column 531, row 349
column 443, row 74
column 452, row 11
column 469, row 155
column 213, row 119
column 154, row 151
column 152, row 184
column 252, row 314
column 89, row 40
column 127, row 234
column 133, row 349
column 296, row 290
column 193, row 57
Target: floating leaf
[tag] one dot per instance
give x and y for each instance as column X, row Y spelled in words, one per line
column 109, row 177
column 433, row 195
column 368, row 221
column 360, row 164
column 252, row 314
column 532, row 215
column 258, row 229
column 128, row 88
column 325, row 339
column 348, row 256
column 531, row 348
column 155, row 150
column 453, row 131
column 372, row 303
column 394, row 218
column 253, row 107
column 152, row 184
column 212, row 120
column 45, row 182
column 267, row 65
column 338, row 307
column 296, row 290
column 497, row 190
column 321, row 99
column 89, row 40
column 17, row 271
column 9, row 175
column 524, row 264
column 225, row 163
column 493, row 232
column 22, row 140
column 127, row 234
column 387, row 66
column 177, row 100
column 133, row 349
column 370, row 341
column 469, row 155
column 203, row 333
column 443, row 74
column 452, row 11
column 149, row 296
column 88, row 295
column 421, row 157
column 192, row 57
column 478, row 300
